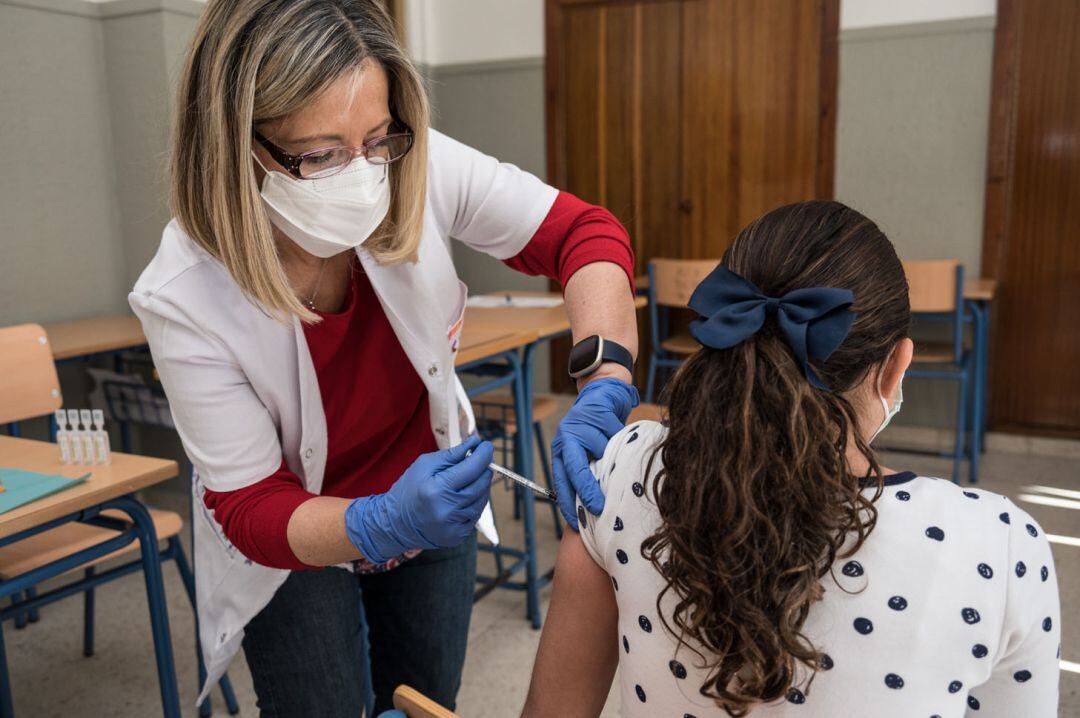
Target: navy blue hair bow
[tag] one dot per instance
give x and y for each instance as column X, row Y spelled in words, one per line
column 813, row 321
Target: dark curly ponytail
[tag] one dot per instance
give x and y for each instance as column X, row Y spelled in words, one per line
column 755, row 494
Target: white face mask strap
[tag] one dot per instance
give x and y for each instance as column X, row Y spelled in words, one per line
column 255, row 157
column 881, row 397
column 889, row 412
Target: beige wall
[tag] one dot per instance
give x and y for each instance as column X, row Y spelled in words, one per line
column 60, row 249
column 85, row 117
column 911, row 139
column 911, row 133
column 85, row 94
column 497, row 108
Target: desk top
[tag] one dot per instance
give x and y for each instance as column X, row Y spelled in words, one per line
column 96, row 334
column 979, row 289
column 126, row 473
column 487, row 330
column 479, row 342
column 546, row 321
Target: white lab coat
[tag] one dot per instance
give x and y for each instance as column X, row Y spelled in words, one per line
column 242, row 387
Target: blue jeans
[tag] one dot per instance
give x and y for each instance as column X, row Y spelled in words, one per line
column 306, row 651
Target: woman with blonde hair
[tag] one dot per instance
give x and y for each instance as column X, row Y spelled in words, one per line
column 303, row 312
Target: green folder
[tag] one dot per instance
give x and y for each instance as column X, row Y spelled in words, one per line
column 22, row 487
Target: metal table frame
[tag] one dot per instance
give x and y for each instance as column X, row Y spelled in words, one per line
column 140, row 529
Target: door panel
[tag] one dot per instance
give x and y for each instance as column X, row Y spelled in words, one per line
column 1032, row 242
column 689, row 118
column 751, row 113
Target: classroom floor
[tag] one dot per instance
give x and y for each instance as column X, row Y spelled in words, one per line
column 51, row 678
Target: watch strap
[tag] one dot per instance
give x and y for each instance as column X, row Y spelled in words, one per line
column 617, row 353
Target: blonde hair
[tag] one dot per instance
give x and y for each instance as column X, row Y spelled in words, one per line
column 251, row 61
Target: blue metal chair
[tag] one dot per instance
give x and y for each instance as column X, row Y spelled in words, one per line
column 504, row 371
column 63, row 546
column 936, row 291
column 72, row 537
column 148, row 405
column 671, row 282
column 496, row 421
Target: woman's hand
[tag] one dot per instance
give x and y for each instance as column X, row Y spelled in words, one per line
column 598, row 414
column 435, row 504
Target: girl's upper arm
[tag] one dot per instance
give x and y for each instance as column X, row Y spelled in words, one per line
column 578, row 650
column 1024, row 680
column 492, row 206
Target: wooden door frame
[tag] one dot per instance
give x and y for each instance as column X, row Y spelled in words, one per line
column 1000, row 188
column 1004, row 86
column 828, row 96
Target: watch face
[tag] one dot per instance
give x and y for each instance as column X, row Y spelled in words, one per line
column 585, row 354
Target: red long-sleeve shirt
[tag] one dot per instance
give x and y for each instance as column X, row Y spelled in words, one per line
column 377, row 427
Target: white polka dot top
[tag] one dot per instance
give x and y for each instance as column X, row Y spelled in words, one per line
column 950, row 608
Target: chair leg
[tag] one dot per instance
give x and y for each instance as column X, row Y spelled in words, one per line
column 29, row 616
column 507, row 440
column 517, row 502
column 6, row 709
column 961, row 427
column 20, row 618
column 33, row 614
column 664, row 377
column 188, row 578
column 545, row 466
column 975, row 446
column 88, row 617
column 650, row 380
column 150, row 558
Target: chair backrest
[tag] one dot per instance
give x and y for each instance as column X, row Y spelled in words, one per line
column 932, row 285
column 936, row 287
column 672, row 281
column 29, row 386
column 416, row 705
column 645, row 412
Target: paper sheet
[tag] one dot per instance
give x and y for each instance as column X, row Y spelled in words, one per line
column 22, row 487
column 493, row 301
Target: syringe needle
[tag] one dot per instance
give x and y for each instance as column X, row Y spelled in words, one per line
column 519, row 479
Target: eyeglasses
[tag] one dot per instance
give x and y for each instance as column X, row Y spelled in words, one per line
column 326, row 162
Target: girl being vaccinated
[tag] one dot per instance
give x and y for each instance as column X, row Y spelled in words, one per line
column 753, row 555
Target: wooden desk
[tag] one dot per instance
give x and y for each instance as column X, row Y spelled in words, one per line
column 127, row 473
column 546, row 322
column 96, row 334
column 978, row 289
column 480, row 342
column 108, row 487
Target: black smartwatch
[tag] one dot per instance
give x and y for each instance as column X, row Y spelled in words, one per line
column 588, row 354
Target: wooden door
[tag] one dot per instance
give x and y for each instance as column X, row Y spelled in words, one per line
column 689, row 118
column 1032, row 228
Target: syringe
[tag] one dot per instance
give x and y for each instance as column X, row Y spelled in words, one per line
column 519, row 479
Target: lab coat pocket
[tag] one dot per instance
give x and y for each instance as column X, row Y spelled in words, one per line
column 457, row 318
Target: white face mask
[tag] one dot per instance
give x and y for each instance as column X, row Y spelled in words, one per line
column 892, row 411
column 328, row 216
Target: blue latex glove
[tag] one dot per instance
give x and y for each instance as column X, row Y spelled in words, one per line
column 392, row 714
column 598, row 414
column 435, row 504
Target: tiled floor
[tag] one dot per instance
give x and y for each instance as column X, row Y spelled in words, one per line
column 51, row 677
